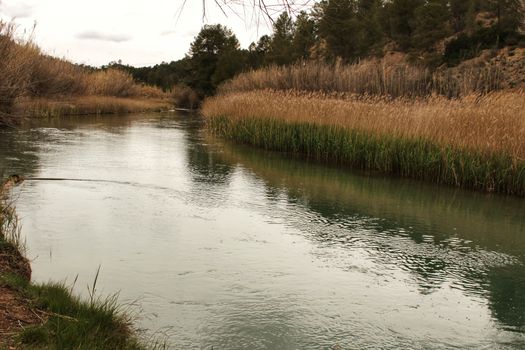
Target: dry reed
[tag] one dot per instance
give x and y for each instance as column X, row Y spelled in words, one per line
column 372, row 77
column 492, row 124
column 28, row 73
column 89, row 105
column 471, row 142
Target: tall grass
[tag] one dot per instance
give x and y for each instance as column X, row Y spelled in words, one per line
column 68, row 322
column 10, row 230
column 471, row 142
column 89, row 105
column 372, row 77
column 15, row 69
column 26, row 72
column 71, row 323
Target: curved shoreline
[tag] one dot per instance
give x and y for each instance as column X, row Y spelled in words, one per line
column 49, row 315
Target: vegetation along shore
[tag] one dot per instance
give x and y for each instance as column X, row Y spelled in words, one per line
column 430, row 90
column 34, row 84
column 473, row 141
column 49, row 316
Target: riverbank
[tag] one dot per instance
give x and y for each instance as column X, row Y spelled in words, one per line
column 35, row 84
column 49, row 316
column 89, row 105
column 471, row 142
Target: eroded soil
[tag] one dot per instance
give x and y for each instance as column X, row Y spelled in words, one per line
column 16, row 312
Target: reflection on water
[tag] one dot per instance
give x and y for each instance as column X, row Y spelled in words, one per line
column 234, row 248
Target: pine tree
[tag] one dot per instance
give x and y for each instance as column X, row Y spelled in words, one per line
column 401, row 14
column 281, row 50
column 368, row 12
column 212, row 42
column 508, row 13
column 339, row 27
column 305, row 35
column 431, row 24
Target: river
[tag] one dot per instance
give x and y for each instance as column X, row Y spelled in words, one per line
column 228, row 247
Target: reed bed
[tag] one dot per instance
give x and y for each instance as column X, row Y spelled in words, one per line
column 89, row 105
column 26, row 72
column 371, row 77
column 472, row 142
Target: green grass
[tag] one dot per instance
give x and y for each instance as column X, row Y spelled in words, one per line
column 72, row 323
column 406, row 157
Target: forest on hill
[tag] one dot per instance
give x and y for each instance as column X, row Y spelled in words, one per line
column 429, row 33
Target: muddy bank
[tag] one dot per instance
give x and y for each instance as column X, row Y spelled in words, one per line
column 16, row 311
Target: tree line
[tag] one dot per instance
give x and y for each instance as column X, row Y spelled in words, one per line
column 430, row 32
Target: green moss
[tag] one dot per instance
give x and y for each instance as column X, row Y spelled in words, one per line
column 406, row 157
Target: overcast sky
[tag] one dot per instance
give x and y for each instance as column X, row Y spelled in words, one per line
column 138, row 32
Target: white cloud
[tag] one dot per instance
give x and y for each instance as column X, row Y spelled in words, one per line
column 17, row 9
column 94, row 35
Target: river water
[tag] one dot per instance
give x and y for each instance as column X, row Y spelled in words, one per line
column 228, row 247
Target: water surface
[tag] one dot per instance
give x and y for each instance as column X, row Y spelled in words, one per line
column 228, row 247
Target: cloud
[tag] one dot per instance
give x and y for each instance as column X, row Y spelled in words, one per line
column 182, row 34
column 16, row 9
column 94, row 35
column 168, row 32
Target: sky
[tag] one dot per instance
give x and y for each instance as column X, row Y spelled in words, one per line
column 138, row 32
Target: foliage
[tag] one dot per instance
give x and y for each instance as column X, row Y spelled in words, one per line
column 509, row 14
column 208, row 58
column 281, row 47
column 466, row 46
column 432, row 32
column 304, row 36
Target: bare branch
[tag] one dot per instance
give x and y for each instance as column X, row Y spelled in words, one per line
column 268, row 9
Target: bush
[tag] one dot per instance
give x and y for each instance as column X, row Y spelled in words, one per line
column 185, row 97
column 468, row 46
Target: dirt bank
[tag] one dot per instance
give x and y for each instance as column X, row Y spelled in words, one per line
column 16, row 311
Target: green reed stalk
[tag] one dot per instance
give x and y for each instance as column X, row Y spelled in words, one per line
column 406, row 157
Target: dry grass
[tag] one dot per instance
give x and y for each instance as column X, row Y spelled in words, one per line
column 54, row 77
column 492, row 124
column 87, row 105
column 28, row 73
column 473, row 142
column 15, row 69
column 372, row 77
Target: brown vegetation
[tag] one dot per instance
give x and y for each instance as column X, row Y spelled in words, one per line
column 371, row 77
column 185, row 97
column 491, row 124
column 87, row 105
column 27, row 74
column 473, row 142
